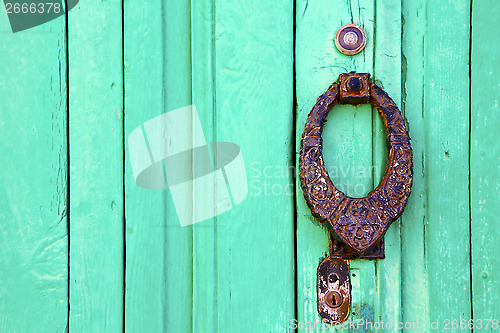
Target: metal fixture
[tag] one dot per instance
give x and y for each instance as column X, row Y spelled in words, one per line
column 356, row 225
column 350, row 39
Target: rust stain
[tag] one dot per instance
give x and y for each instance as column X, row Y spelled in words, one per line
column 334, row 290
column 117, row 112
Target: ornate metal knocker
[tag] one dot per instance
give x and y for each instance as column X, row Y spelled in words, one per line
column 356, row 225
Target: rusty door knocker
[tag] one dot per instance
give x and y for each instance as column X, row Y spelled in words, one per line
column 356, row 225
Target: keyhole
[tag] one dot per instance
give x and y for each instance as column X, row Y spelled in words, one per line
column 333, row 278
column 333, row 299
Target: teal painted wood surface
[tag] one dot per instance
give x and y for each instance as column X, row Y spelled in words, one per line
column 446, row 117
column 484, row 161
column 34, row 179
column 83, row 248
column 144, row 307
column 204, row 300
column 436, row 266
column 201, row 283
column 96, row 259
column 387, row 71
column 254, row 108
column 414, row 272
column 154, row 267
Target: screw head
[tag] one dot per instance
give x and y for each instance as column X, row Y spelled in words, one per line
column 354, row 84
column 350, row 39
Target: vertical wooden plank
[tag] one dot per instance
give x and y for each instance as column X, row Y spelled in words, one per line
column 439, row 125
column 34, row 191
column 178, row 93
column 387, row 73
column 485, row 162
column 145, row 283
column 446, row 117
column 204, row 303
column 414, row 269
column 158, row 249
column 33, row 185
column 96, row 164
column 254, row 97
column 347, row 138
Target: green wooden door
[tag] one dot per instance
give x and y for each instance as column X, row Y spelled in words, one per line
column 84, row 249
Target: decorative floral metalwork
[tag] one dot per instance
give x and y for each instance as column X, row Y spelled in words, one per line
column 358, row 222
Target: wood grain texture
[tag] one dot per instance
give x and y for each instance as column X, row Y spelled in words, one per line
column 204, row 300
column 145, row 286
column 445, row 214
column 178, row 93
column 96, row 167
column 234, row 61
column 254, row 97
column 347, row 141
column 414, row 271
column 158, row 250
column 387, row 72
column 446, row 130
column 485, row 161
column 178, row 246
column 33, row 182
column 436, row 269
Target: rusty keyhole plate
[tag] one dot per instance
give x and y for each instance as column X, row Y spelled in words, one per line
column 334, row 290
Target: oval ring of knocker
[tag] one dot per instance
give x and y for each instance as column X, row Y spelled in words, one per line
column 358, row 222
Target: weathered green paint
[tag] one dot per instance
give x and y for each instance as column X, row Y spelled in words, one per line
column 204, row 301
column 254, row 108
column 96, row 168
column 198, row 287
column 132, row 267
column 401, row 281
column 414, row 272
column 435, row 232
column 387, row 72
column 485, row 161
column 34, row 180
column 446, row 117
column 158, row 251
